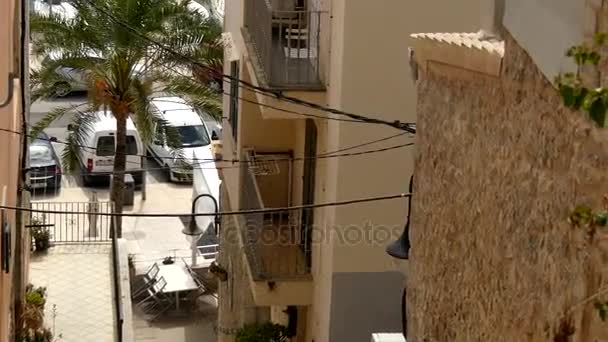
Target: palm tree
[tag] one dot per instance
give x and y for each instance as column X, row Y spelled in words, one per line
column 106, row 43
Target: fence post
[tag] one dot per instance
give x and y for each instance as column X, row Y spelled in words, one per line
column 93, row 211
column 143, row 178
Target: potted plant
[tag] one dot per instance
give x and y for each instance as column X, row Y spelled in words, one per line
column 42, row 238
column 33, row 315
column 218, row 271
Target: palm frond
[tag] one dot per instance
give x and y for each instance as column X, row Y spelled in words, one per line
column 143, row 116
column 55, row 114
column 81, row 127
column 196, row 94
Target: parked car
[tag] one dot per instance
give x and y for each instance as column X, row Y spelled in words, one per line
column 77, row 79
column 196, row 7
column 193, row 133
column 45, row 167
column 61, row 8
column 98, row 162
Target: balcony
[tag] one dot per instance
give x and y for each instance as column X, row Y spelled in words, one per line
column 275, row 244
column 284, row 44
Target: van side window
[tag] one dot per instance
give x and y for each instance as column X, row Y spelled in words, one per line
column 105, row 146
column 131, row 145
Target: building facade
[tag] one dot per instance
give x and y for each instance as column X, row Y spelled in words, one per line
column 500, row 166
column 322, row 272
column 11, row 114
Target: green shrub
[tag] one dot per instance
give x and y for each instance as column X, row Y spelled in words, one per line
column 265, row 332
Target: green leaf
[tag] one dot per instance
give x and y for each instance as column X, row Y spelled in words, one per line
column 594, row 57
column 567, row 93
column 581, row 214
column 600, row 38
column 601, row 219
column 580, row 94
column 601, row 309
column 597, row 110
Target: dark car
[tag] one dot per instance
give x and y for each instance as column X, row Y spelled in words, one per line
column 45, row 167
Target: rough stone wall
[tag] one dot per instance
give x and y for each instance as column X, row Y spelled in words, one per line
column 500, row 165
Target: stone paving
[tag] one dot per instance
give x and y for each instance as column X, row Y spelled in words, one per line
column 198, row 327
column 150, row 239
column 78, row 279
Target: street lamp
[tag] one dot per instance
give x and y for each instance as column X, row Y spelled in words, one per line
column 193, row 232
column 400, row 249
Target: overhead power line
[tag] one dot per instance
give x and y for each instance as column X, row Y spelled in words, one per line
column 209, row 160
column 224, row 213
column 266, row 91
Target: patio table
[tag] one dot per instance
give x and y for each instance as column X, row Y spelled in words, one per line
column 178, row 280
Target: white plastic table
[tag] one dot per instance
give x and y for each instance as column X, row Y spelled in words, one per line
column 178, row 280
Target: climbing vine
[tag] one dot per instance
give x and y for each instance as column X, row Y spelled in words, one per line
column 576, row 94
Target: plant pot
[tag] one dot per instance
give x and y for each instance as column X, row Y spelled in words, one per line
column 41, row 244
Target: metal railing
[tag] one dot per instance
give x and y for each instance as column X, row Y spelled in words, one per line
column 286, row 44
column 73, row 228
column 275, row 243
column 118, row 300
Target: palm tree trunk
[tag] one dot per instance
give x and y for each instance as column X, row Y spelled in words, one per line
column 120, row 162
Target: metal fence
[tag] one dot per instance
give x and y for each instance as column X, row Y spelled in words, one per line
column 286, row 42
column 73, row 222
column 274, row 242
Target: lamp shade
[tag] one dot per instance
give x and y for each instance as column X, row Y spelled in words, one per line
column 400, row 248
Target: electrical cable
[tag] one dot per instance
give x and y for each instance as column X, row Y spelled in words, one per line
column 209, row 160
column 268, row 92
column 224, row 213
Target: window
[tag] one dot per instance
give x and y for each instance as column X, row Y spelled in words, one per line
column 193, row 136
column 105, row 146
column 131, row 145
column 234, row 99
column 41, row 153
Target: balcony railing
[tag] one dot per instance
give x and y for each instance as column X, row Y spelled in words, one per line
column 286, row 44
column 275, row 243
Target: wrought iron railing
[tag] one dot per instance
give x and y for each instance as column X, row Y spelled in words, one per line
column 274, row 242
column 286, row 44
column 73, row 222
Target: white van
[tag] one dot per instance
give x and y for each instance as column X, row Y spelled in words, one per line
column 99, row 162
column 193, row 133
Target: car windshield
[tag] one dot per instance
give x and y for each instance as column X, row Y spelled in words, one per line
column 41, row 153
column 193, row 136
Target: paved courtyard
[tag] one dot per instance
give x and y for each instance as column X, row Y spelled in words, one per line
column 198, row 327
column 78, row 279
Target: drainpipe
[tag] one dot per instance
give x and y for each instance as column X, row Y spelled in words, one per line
column 19, row 266
column 492, row 12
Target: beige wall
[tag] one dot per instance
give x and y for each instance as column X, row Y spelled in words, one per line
column 9, row 152
column 366, row 72
column 9, row 143
column 547, row 28
column 371, row 75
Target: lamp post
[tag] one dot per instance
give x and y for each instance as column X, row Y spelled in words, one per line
column 193, row 232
